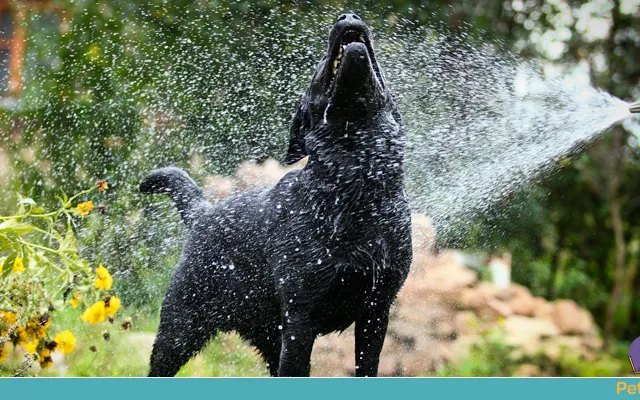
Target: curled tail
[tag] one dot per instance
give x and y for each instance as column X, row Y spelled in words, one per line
column 184, row 191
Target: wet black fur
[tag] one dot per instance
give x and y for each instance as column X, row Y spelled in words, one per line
column 327, row 246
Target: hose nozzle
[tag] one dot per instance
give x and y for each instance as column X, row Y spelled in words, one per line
column 634, row 107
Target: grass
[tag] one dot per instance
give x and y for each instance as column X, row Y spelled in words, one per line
column 126, row 353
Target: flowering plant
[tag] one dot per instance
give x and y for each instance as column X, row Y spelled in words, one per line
column 41, row 271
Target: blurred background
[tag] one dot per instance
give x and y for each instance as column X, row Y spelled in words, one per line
column 541, row 284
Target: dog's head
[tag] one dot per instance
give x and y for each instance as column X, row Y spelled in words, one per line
column 347, row 87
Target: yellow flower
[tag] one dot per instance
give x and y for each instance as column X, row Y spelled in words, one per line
column 8, row 324
column 65, row 341
column 31, row 347
column 75, row 300
column 95, row 314
column 45, row 358
column 85, row 208
column 112, row 304
column 102, row 185
column 38, row 329
column 18, row 266
column 35, row 330
column 104, row 279
column 9, row 318
column 4, row 349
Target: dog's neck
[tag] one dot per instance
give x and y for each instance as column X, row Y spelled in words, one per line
column 355, row 176
column 364, row 154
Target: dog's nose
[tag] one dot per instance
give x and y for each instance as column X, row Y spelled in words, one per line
column 348, row 17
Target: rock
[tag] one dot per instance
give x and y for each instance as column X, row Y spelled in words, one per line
column 571, row 319
column 251, row 175
column 423, row 234
column 466, row 323
column 592, row 342
column 422, row 261
column 461, row 348
column 528, row 370
column 478, row 297
column 449, row 275
column 333, row 355
column 518, row 290
column 414, row 320
column 556, row 346
column 417, row 290
column 527, row 333
column 542, row 308
column 522, row 306
column 521, row 301
column 496, row 309
column 218, row 187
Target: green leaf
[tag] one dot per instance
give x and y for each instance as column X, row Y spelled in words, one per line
column 8, row 263
column 37, row 210
column 13, row 226
column 5, row 244
column 64, row 200
column 28, row 200
column 58, row 304
column 68, row 243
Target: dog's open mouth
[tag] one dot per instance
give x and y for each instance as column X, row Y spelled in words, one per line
column 352, row 36
column 348, row 37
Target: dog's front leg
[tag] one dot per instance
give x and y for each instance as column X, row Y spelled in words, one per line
column 297, row 342
column 371, row 329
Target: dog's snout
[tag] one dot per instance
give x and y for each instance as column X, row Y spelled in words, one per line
column 348, row 17
column 348, row 22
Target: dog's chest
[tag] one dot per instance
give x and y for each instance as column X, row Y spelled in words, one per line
column 363, row 273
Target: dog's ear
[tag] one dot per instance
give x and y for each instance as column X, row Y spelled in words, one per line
column 296, row 151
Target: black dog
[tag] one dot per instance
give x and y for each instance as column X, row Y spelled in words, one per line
column 326, row 246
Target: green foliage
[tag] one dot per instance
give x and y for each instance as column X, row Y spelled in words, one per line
column 490, row 357
column 493, row 357
column 127, row 353
column 41, row 271
column 38, row 251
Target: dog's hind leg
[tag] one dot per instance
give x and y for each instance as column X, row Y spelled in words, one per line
column 177, row 341
column 185, row 327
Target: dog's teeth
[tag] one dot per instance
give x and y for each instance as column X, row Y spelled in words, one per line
column 362, row 38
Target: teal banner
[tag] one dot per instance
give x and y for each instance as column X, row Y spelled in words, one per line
column 319, row 388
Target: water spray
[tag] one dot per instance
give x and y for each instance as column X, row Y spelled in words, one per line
column 635, row 107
